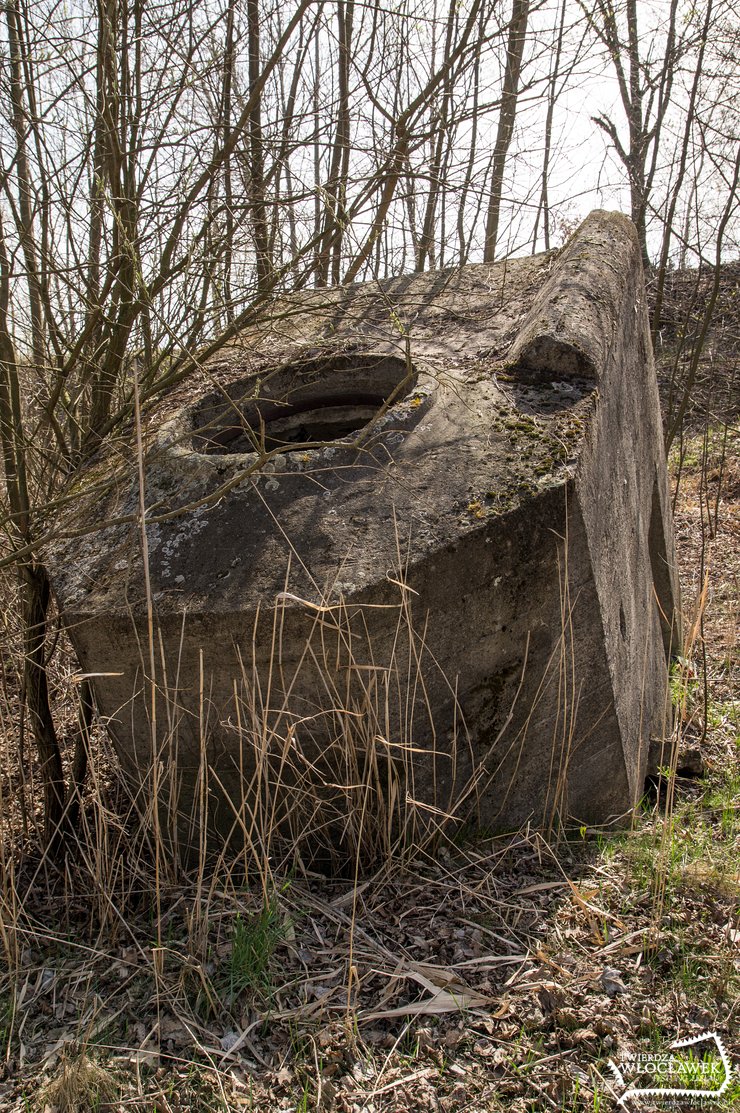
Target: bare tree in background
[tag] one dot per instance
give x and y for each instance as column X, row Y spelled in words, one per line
column 645, row 87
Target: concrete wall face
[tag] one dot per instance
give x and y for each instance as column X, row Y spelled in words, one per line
column 425, row 521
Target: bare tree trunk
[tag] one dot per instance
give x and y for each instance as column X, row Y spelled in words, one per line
column 463, row 238
column 35, row 599
column 426, row 242
column 514, row 54
column 636, row 154
column 544, row 205
column 26, row 201
column 260, row 227
column 97, row 187
column 228, row 80
column 317, row 207
column 32, row 579
column 335, row 191
column 113, row 337
column 282, row 157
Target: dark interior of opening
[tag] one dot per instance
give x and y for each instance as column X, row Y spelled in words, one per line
column 305, row 403
column 662, row 575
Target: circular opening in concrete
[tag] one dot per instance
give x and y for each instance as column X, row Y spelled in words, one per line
column 312, row 401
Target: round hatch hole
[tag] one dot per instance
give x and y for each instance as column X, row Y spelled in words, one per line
column 316, row 400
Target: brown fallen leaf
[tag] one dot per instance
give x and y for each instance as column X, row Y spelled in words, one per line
column 446, row 993
column 611, row 982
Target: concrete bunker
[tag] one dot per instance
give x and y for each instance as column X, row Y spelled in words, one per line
column 411, row 559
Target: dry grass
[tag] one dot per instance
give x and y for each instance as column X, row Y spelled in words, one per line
column 80, row 1085
column 468, row 978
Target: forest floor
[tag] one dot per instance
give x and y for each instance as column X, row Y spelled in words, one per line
column 502, row 974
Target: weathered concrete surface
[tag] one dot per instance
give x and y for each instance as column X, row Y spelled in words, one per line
column 491, row 443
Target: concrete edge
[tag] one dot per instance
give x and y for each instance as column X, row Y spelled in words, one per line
column 568, row 330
